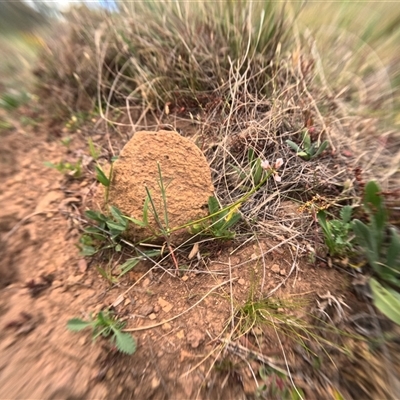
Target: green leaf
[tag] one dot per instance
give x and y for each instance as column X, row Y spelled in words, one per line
column 115, row 226
column 321, row 148
column 365, row 238
column 77, row 324
column 257, row 172
column 118, row 216
column 304, row 155
column 235, row 218
column 146, row 211
column 345, row 213
column 92, row 149
column 136, row 221
column 307, row 142
column 101, row 177
column 294, row 146
column 250, row 155
column 95, row 216
column 125, row 342
column 213, row 205
column 128, row 265
column 326, row 227
column 88, row 251
column 386, row 300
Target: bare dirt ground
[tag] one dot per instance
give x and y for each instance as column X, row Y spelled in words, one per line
column 188, row 344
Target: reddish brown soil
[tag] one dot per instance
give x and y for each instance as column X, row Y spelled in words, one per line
column 180, row 321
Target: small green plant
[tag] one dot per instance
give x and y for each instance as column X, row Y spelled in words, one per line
column 220, row 222
column 106, row 324
column 379, row 242
column 307, row 150
column 105, row 234
column 66, row 168
column 381, row 246
column 337, row 231
column 101, row 176
column 254, row 174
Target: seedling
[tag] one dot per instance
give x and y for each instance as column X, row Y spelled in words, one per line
column 106, row 234
column 220, row 222
column 108, row 229
column 308, row 150
column 106, row 325
column 337, row 232
column 66, row 168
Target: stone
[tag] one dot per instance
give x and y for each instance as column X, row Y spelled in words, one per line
column 194, row 338
column 186, row 176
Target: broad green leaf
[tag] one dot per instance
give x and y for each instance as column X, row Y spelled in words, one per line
column 386, row 300
column 95, row 216
column 213, row 205
column 250, row 155
column 118, row 215
column 77, row 324
column 304, row 155
column 125, row 342
column 88, row 251
column 234, row 219
column 257, row 172
column 294, row 146
column 101, row 176
column 365, row 239
column 321, row 148
column 307, row 142
column 115, row 226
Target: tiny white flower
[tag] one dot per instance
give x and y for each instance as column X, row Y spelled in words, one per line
column 277, row 178
column 278, row 163
column 265, row 165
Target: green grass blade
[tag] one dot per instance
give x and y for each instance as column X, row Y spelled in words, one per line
column 101, row 177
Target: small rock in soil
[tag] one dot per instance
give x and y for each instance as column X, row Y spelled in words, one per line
column 82, row 265
column 146, row 310
column 195, row 338
column 276, row 268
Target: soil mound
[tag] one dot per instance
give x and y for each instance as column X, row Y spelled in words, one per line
column 186, row 177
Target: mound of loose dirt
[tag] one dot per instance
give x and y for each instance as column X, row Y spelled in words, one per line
column 185, row 175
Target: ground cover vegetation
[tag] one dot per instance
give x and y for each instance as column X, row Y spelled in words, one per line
column 303, row 143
